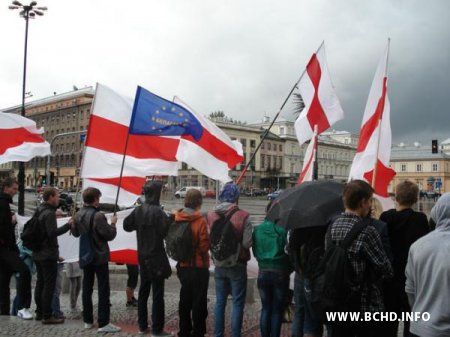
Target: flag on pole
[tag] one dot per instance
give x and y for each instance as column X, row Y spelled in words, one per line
column 371, row 162
column 214, row 153
column 309, row 159
column 145, row 155
column 20, row 139
column 160, row 133
column 322, row 107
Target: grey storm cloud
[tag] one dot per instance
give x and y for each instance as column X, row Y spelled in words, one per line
column 241, row 57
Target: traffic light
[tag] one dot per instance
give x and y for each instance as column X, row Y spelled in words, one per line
column 434, row 146
column 44, row 180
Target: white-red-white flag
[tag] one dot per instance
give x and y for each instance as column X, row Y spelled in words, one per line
column 20, row 139
column 371, row 162
column 322, row 107
column 155, row 134
column 307, row 173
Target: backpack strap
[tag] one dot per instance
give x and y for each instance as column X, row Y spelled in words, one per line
column 228, row 217
column 354, row 232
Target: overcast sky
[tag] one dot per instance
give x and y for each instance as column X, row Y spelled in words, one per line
column 239, row 56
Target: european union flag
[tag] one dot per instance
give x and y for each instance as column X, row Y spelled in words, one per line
column 154, row 115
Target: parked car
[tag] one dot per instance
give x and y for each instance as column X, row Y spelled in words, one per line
column 255, row 192
column 181, row 193
column 30, row 189
column 210, row 194
column 274, row 195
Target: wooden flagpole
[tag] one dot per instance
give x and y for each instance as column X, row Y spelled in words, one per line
column 271, row 124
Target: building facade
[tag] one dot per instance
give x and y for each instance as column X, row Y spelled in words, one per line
column 430, row 171
column 335, row 152
column 59, row 114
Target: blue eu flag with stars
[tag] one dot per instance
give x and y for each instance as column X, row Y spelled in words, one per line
column 156, row 116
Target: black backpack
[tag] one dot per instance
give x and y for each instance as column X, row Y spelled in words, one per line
column 179, row 238
column 331, row 282
column 223, row 239
column 87, row 246
column 33, row 233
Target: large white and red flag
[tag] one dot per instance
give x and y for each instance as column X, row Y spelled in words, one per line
column 20, row 139
column 154, row 134
column 307, row 173
column 371, row 162
column 322, row 107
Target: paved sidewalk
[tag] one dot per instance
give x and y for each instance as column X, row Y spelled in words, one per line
column 126, row 318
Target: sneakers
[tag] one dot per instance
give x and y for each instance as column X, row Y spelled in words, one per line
column 88, row 326
column 25, row 314
column 52, row 320
column 144, row 332
column 162, row 334
column 111, row 328
column 132, row 303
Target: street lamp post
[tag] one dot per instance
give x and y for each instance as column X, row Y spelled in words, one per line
column 27, row 12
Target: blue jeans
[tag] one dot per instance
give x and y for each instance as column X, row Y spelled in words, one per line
column 232, row 280
column 305, row 320
column 272, row 286
column 298, row 322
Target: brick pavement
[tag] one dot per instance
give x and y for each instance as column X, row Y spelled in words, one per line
column 126, row 318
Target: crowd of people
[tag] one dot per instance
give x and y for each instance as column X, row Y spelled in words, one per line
column 393, row 264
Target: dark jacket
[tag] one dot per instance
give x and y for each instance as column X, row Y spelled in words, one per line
column 7, row 228
column 382, row 229
column 102, row 232
column 47, row 219
column 151, row 225
column 404, row 228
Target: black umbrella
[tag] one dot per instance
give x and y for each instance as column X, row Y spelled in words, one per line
column 309, row 205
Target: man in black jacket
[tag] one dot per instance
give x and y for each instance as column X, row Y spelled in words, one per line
column 102, row 232
column 10, row 262
column 46, row 258
column 151, row 225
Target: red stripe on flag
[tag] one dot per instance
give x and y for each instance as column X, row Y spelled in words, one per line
column 216, row 148
column 10, row 138
column 125, row 256
column 372, row 123
column 107, row 135
column 308, row 165
column 316, row 115
column 130, row 184
column 383, row 177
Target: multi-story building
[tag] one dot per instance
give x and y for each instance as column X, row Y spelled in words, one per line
column 335, row 152
column 62, row 113
column 430, row 171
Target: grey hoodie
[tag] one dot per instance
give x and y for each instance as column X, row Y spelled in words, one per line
column 428, row 275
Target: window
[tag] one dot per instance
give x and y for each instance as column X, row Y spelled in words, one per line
column 281, row 130
column 280, row 160
column 280, row 147
column 403, row 167
column 434, row 167
column 262, row 145
column 269, row 146
column 419, row 167
column 244, row 142
column 263, row 161
column 252, row 143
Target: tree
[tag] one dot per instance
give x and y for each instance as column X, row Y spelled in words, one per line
column 299, row 104
column 217, row 114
